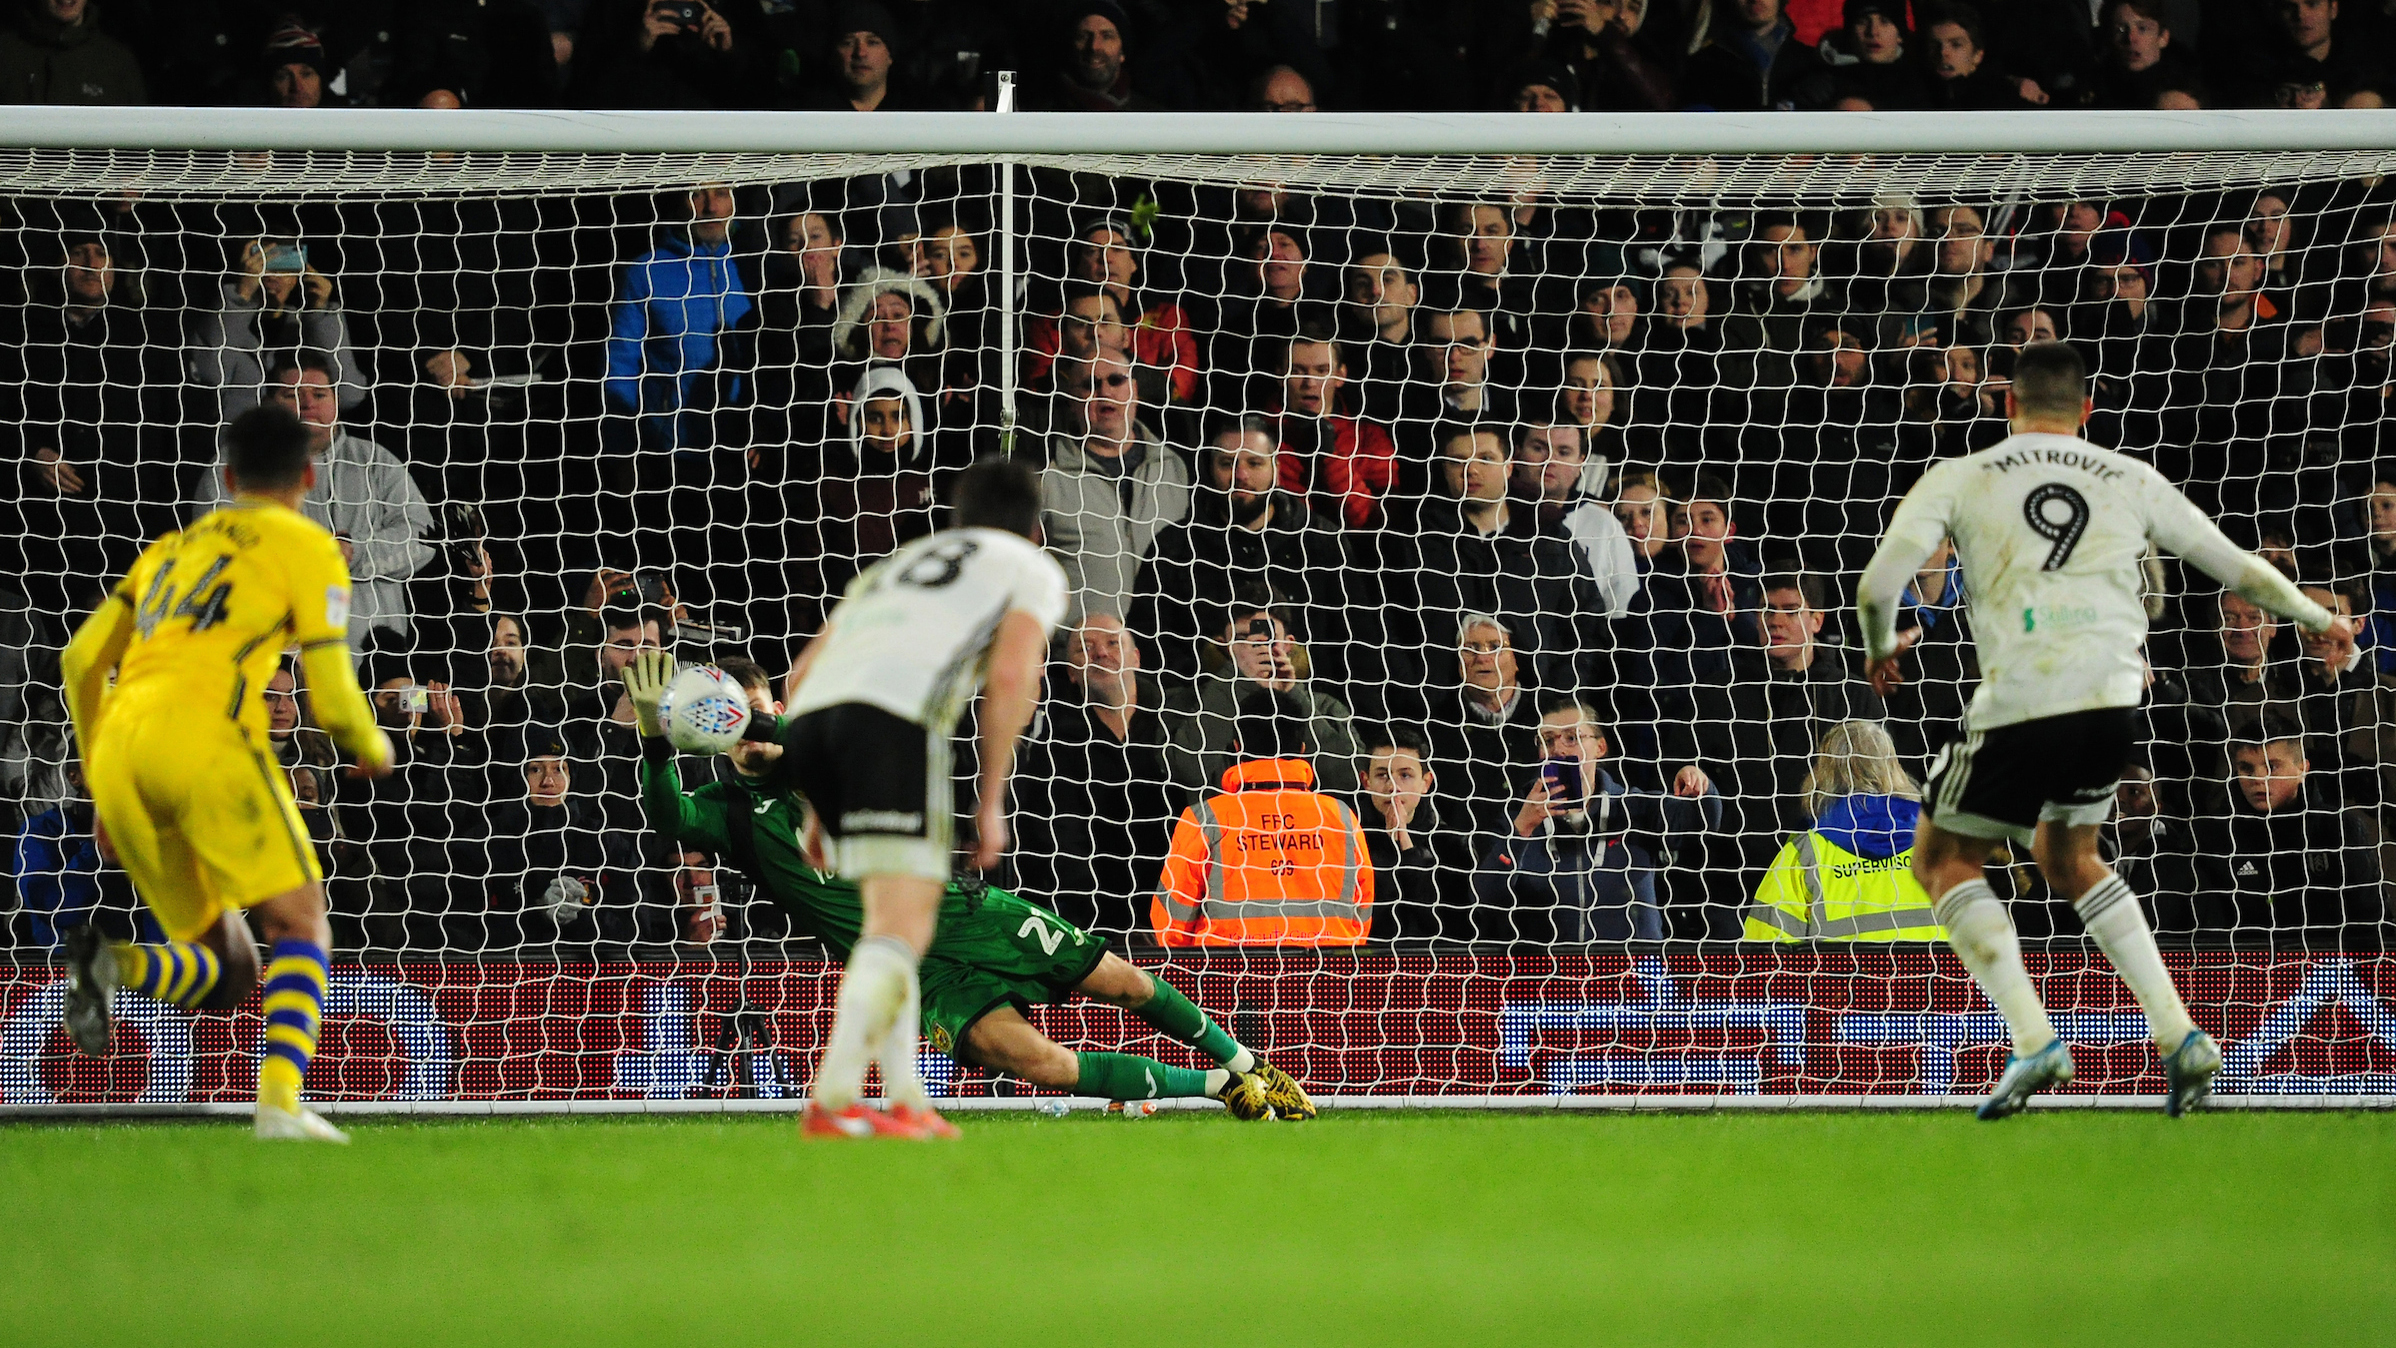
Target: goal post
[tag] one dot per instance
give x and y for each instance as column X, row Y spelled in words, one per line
column 1487, row 442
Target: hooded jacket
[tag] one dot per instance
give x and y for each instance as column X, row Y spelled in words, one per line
column 868, row 503
column 1849, row 878
column 857, row 303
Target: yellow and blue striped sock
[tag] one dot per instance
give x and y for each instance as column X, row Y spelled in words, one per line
column 294, row 1007
column 178, row 971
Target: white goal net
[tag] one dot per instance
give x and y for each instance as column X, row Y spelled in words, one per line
column 1527, row 490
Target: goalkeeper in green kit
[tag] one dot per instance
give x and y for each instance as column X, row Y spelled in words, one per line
column 995, row 955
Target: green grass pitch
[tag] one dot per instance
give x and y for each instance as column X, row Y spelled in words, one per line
column 1359, row 1228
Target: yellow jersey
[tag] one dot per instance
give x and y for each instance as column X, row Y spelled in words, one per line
column 214, row 606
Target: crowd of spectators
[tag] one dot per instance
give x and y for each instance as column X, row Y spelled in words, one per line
column 1532, row 520
column 1151, row 55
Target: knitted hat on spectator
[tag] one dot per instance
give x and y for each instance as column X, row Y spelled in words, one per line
column 1891, row 10
column 1132, row 235
column 543, row 742
column 293, row 44
column 862, row 16
column 2116, row 245
column 1637, row 285
column 1554, row 76
column 1092, row 224
column 1105, row 9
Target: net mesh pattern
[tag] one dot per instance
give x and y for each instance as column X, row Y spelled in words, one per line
column 1494, row 467
column 1806, row 180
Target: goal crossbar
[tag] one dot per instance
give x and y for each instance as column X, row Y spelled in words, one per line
column 2372, row 132
column 1654, row 158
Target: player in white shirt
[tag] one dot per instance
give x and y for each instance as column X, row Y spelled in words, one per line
column 873, row 703
column 2051, row 530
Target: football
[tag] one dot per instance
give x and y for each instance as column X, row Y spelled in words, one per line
column 704, row 710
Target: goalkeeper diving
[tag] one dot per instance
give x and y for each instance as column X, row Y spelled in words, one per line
column 995, row 955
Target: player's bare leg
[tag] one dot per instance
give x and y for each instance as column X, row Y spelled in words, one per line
column 296, row 931
column 1005, row 1042
column 2068, row 858
column 1953, row 869
column 1117, row 982
column 869, row 1023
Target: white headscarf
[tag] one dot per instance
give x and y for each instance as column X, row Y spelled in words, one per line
column 886, row 382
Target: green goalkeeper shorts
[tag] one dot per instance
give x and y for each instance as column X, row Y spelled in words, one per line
column 998, row 950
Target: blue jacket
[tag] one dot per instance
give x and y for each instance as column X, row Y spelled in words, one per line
column 2378, row 634
column 668, row 328
column 1595, row 881
column 1878, row 827
column 57, row 872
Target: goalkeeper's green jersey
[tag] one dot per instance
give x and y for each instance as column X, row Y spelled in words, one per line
column 993, row 948
column 756, row 826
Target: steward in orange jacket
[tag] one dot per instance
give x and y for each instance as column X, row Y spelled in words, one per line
column 1271, row 861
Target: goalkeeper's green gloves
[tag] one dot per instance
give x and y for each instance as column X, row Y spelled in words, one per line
column 645, row 681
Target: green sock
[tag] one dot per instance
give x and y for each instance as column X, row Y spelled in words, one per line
column 1125, row 1076
column 1180, row 1018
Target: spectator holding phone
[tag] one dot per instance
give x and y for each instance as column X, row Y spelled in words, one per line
column 275, row 304
column 409, row 820
column 1580, row 862
column 670, row 54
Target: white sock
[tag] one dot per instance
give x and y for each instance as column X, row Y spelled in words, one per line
column 1218, row 1080
column 902, row 1078
column 2110, row 912
column 1983, row 937
column 1242, row 1062
column 870, row 993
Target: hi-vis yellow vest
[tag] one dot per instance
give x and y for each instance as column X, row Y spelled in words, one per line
column 1816, row 890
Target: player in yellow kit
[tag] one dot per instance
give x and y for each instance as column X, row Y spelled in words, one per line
column 188, row 793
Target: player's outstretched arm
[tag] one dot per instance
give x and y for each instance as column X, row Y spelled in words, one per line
column 89, row 659
column 1009, row 697
column 340, row 705
column 1876, row 596
column 671, row 811
column 2180, row 526
column 1921, row 522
